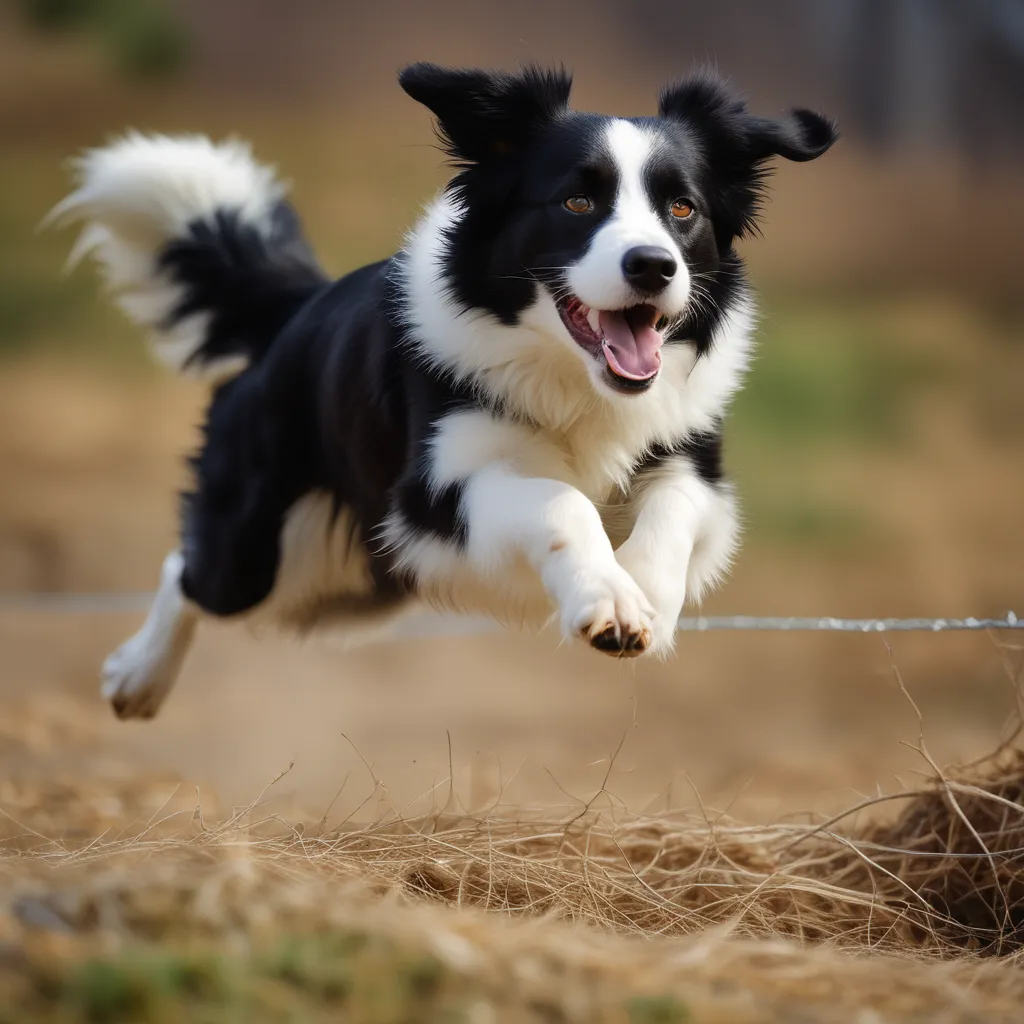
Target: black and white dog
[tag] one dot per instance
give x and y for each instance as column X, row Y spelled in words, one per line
column 519, row 414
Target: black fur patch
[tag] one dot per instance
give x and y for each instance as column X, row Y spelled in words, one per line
column 249, row 282
column 702, row 451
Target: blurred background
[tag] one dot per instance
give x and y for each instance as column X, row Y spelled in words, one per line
column 877, row 448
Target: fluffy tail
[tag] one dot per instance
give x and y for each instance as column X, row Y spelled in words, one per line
column 198, row 243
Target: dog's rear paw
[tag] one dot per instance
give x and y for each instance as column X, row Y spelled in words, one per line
column 136, row 680
column 612, row 614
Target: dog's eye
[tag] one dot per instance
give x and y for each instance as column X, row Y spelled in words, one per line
column 579, row 204
column 681, row 209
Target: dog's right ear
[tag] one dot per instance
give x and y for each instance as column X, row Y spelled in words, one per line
column 483, row 115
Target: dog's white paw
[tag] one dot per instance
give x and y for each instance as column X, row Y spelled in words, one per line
column 663, row 635
column 610, row 612
column 664, row 593
column 138, row 676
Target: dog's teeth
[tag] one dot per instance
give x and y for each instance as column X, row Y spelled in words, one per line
column 594, row 319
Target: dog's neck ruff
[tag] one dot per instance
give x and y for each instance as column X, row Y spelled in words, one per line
column 522, row 368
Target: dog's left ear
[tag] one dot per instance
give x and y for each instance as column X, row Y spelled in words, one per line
column 709, row 104
column 737, row 144
column 483, row 115
column 803, row 135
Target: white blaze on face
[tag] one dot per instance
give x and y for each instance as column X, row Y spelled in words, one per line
column 597, row 280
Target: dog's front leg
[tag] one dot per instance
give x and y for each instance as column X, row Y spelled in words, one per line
column 559, row 532
column 682, row 541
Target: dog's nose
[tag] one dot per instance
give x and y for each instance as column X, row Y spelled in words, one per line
column 649, row 268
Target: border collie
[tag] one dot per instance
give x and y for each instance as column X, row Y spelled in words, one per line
column 519, row 414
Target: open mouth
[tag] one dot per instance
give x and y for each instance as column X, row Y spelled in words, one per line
column 629, row 340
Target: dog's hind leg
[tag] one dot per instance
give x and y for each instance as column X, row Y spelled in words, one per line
column 141, row 672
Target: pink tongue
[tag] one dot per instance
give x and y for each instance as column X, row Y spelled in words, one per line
column 634, row 354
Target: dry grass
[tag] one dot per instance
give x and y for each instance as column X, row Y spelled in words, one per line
column 911, row 915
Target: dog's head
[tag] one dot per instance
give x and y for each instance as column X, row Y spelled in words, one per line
column 621, row 229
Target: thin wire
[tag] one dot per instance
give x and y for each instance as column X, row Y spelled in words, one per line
column 84, row 603
column 833, row 625
column 135, row 601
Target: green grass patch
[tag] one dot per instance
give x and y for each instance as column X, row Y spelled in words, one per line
column 831, row 380
column 143, row 39
column 657, row 1010
column 807, row 522
column 145, row 988
column 327, row 976
column 831, row 373
column 324, row 977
